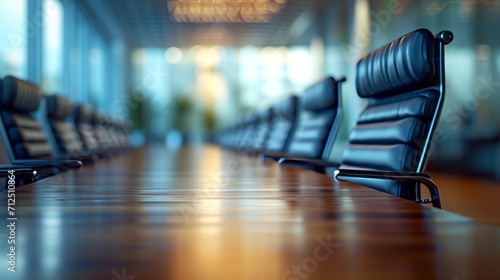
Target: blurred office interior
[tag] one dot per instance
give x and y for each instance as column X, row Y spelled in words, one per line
column 179, row 70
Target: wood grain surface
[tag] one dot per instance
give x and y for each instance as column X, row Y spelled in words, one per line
column 205, row 213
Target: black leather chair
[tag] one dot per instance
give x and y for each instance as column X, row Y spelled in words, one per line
column 403, row 83
column 83, row 118
column 245, row 136
column 319, row 116
column 224, row 135
column 259, row 137
column 24, row 139
column 101, row 134
column 101, row 125
column 67, row 141
column 118, row 131
column 283, row 121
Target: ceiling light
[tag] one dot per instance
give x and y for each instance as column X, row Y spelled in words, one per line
column 224, row 10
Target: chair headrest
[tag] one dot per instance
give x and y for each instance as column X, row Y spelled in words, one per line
column 106, row 120
column 59, row 107
column 286, row 109
column 17, row 94
column 84, row 113
column 402, row 64
column 264, row 115
column 99, row 118
column 320, row 96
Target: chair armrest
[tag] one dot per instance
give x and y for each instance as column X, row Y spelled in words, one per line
column 271, row 156
column 5, row 168
column 58, row 163
column 85, row 159
column 312, row 164
column 306, row 161
column 400, row 176
column 20, row 174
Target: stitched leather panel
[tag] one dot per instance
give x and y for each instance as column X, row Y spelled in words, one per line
column 32, row 150
column 279, row 134
column 66, row 136
column 13, row 119
column 311, row 134
column 320, row 96
column 420, row 105
column 87, row 134
column 25, row 134
column 21, row 134
column 317, row 112
column 284, row 116
column 401, row 64
column 397, row 157
column 406, row 131
column 102, row 136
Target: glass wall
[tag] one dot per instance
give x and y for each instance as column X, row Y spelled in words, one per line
column 196, row 90
column 53, row 38
column 64, row 48
column 14, row 37
column 99, row 74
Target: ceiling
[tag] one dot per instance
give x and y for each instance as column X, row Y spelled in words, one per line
column 148, row 23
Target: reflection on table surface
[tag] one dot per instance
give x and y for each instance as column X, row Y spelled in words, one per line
column 205, row 213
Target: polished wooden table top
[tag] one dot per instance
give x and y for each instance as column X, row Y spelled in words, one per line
column 206, row 213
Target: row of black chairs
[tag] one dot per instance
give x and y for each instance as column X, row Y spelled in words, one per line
column 403, row 85
column 302, row 127
column 42, row 135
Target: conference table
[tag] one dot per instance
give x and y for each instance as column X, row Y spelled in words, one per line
column 202, row 212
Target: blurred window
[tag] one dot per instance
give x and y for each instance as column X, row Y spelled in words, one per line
column 14, row 37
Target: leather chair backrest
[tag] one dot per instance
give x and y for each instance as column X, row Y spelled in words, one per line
column 22, row 132
column 114, row 133
column 283, row 120
column 59, row 112
column 122, row 134
column 318, row 121
column 247, row 131
column 237, row 134
column 227, row 135
column 261, row 129
column 83, row 117
column 104, row 127
column 402, row 83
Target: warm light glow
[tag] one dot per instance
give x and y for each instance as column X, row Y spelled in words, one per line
column 274, row 56
column 223, row 10
column 206, row 56
column 173, row 55
column 139, row 56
